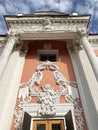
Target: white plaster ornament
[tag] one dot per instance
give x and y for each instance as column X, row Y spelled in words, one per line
column 48, row 98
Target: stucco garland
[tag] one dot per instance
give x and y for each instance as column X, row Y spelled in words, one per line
column 48, row 98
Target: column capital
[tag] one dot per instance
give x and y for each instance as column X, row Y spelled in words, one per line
column 13, row 35
column 81, row 33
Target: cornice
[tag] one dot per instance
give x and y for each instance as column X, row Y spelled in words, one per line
column 47, row 23
column 93, row 40
column 41, row 20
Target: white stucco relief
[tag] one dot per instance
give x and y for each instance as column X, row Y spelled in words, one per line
column 47, row 24
column 48, row 28
column 48, row 98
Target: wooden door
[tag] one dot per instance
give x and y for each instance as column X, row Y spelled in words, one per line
column 48, row 125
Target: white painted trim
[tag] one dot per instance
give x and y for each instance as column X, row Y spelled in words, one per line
column 87, row 84
column 59, row 118
column 62, row 110
column 9, row 89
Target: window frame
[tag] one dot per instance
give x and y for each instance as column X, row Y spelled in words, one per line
column 46, row 52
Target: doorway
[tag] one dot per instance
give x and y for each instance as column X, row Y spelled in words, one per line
column 48, row 125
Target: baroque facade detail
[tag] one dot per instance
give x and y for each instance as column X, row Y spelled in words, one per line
column 48, row 98
column 50, row 92
column 47, row 24
column 47, row 28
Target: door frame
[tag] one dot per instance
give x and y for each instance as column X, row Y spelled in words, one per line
column 62, row 110
column 48, row 123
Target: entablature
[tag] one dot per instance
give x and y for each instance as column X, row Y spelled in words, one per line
column 43, row 23
column 93, row 40
column 35, row 20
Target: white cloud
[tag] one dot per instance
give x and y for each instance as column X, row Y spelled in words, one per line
column 17, row 7
column 65, row 5
column 2, row 26
column 1, row 30
column 24, row 8
column 96, row 14
column 2, row 10
column 61, row 5
column 81, row 9
column 10, row 7
column 92, row 2
column 56, row 5
column 36, row 5
column 89, row 7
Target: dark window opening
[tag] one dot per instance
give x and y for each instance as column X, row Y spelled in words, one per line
column 69, row 121
column 56, row 127
column 26, row 121
column 49, row 57
column 41, row 127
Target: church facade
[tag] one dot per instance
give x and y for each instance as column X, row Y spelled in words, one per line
column 48, row 73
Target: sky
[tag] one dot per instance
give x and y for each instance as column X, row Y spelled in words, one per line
column 82, row 7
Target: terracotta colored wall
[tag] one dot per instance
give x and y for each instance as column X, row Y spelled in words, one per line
column 31, row 62
column 96, row 52
column 64, row 64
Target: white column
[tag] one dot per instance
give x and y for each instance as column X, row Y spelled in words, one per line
column 6, row 53
column 9, row 86
column 87, row 85
column 90, row 53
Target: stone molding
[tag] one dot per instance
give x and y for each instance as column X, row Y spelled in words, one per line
column 46, row 24
column 94, row 42
column 47, row 21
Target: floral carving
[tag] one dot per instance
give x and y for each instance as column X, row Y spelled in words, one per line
column 60, row 79
column 47, row 65
column 48, row 100
column 23, row 93
column 78, row 113
column 18, row 118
